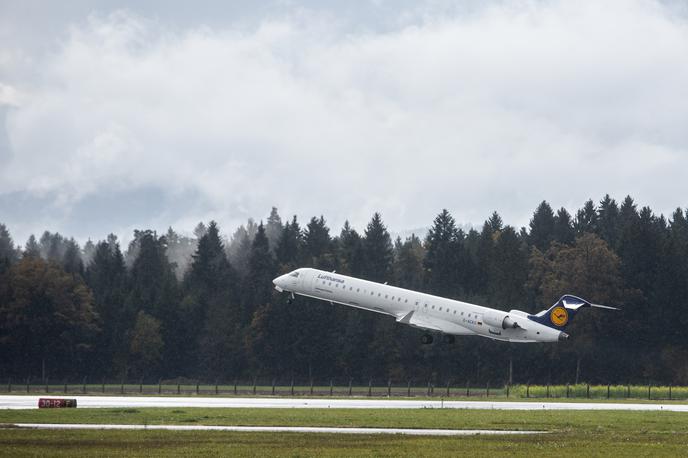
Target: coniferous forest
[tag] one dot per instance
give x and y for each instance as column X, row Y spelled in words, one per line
column 168, row 306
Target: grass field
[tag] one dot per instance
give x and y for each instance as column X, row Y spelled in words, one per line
column 572, row 433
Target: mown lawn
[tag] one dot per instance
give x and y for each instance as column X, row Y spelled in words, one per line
column 580, row 433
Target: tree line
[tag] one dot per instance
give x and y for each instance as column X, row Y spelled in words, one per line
column 203, row 307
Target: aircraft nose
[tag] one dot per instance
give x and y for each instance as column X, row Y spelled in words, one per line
column 279, row 283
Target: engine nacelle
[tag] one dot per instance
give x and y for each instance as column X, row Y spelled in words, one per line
column 499, row 319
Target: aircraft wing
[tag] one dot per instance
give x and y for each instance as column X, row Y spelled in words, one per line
column 431, row 324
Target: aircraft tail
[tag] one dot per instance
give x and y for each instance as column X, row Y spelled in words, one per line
column 562, row 312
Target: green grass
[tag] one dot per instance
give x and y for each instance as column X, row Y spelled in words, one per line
column 574, row 433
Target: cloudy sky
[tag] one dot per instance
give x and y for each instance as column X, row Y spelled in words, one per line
column 116, row 116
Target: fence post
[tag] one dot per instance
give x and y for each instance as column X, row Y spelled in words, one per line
column 235, row 387
column 254, row 386
column 649, row 393
column 83, row 386
column 331, row 387
column 350, row 384
column 389, row 388
column 507, row 390
column 468, row 388
column 102, row 387
column 311, row 387
column 487, row 391
column 567, row 391
column 547, row 390
column 448, row 384
column 628, row 390
column 216, row 390
column 527, row 390
column 141, row 386
column 198, row 388
column 122, row 387
column 607, row 390
column 9, row 385
column 179, row 388
column 408, row 389
column 46, row 385
column 159, row 386
column 587, row 392
column 28, row 384
column 370, row 387
column 428, row 387
column 292, row 386
column 670, row 392
column 273, row 386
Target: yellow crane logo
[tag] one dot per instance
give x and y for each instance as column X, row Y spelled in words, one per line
column 559, row 316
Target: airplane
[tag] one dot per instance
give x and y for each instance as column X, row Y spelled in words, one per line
column 434, row 314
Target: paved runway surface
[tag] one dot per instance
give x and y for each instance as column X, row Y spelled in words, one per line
column 281, row 429
column 31, row 402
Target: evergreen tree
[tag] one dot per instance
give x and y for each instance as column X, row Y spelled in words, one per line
column 608, row 220
column 8, row 254
column 318, row 245
column 351, row 254
column 586, row 218
column 542, row 227
column 107, row 277
column 262, row 270
column 289, row 246
column 563, row 227
column 71, row 260
column 408, row 263
column 444, row 248
column 377, row 250
column 32, row 249
column 273, row 229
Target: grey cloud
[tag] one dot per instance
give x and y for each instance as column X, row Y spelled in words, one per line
column 485, row 108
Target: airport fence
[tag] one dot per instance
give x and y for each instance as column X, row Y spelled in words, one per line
column 333, row 388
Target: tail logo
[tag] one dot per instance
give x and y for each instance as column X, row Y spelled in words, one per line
column 559, row 316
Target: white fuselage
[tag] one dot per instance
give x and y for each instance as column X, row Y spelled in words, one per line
column 416, row 309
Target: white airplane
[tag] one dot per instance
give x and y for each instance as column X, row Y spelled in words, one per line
column 432, row 313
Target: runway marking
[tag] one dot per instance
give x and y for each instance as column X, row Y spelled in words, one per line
column 276, row 429
column 31, row 402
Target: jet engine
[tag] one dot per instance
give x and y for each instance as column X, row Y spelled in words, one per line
column 499, row 319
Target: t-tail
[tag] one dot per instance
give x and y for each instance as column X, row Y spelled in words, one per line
column 562, row 312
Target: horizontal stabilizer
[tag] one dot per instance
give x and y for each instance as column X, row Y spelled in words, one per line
column 604, row 307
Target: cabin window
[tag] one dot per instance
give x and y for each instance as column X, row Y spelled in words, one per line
column 358, row 290
column 392, row 297
column 417, row 302
column 329, row 284
column 426, row 305
column 405, row 301
column 399, row 300
column 336, row 285
column 379, row 294
column 454, row 312
column 461, row 313
column 386, row 296
column 351, row 288
column 294, row 274
column 372, row 293
column 323, row 282
column 433, row 307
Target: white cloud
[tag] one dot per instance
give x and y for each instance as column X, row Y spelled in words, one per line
column 496, row 109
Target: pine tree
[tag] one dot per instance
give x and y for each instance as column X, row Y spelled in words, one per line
column 542, row 227
column 563, row 227
column 289, row 246
column 377, row 251
column 106, row 275
column 273, row 229
column 586, row 218
column 608, row 220
column 32, row 249
column 8, row 254
column 318, row 245
column 446, row 257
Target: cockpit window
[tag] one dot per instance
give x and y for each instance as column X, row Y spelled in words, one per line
column 294, row 274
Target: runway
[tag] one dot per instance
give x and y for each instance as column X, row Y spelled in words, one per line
column 31, row 402
column 278, row 429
